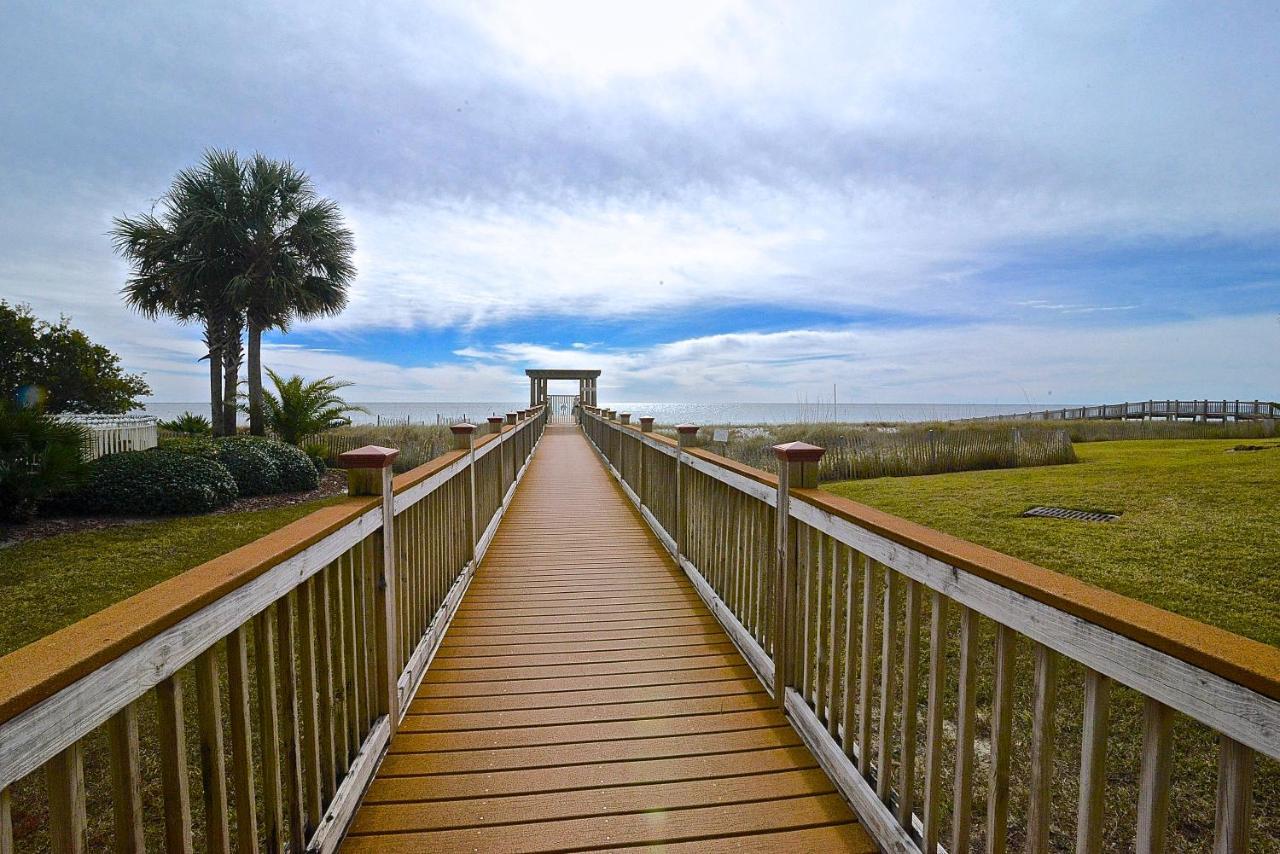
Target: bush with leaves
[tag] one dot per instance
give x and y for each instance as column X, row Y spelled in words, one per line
column 190, row 424
column 319, row 455
column 294, row 471
column 199, row 446
column 253, row 469
column 156, row 482
column 40, row 458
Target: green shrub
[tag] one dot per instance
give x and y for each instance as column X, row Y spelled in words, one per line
column 40, row 458
column 252, row 468
column 154, row 483
column 294, row 470
column 199, row 446
column 319, row 455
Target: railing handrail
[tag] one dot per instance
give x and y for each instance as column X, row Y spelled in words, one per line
column 1154, row 408
column 40, row 671
column 1252, row 664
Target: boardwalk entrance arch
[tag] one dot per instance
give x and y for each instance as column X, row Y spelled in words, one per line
column 538, row 379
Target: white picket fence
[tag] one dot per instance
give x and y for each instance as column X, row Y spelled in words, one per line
column 109, row 434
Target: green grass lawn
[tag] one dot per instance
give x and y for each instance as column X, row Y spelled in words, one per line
column 1198, row 535
column 50, row 583
column 1199, row 532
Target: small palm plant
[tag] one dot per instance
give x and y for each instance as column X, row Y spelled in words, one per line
column 298, row 409
column 190, row 424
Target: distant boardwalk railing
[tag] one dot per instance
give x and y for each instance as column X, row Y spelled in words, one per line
column 848, row 613
column 319, row 632
column 1199, row 410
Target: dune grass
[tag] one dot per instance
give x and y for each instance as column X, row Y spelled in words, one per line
column 1197, row 535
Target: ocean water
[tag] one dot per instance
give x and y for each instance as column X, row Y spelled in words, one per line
column 448, row 412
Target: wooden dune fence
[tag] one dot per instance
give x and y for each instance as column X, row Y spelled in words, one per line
column 111, row 434
column 957, row 696
column 302, row 648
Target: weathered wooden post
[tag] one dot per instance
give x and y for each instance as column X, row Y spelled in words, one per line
column 797, row 469
column 495, row 423
column 687, row 434
column 511, row 417
column 624, row 417
column 462, row 441
column 646, row 423
column 369, row 473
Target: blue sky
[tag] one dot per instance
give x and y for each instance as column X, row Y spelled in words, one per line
column 913, row 202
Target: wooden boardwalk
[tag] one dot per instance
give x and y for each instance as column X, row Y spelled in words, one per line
column 585, row 698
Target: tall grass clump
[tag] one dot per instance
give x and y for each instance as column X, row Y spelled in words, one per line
column 417, row 443
column 1116, row 430
column 862, row 451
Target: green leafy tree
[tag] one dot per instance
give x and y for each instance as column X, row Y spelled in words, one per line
column 298, row 409
column 240, row 245
column 59, row 369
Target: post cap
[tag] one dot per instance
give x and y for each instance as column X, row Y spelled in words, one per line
column 513, row 414
column 462, row 429
column 646, row 419
column 495, row 419
column 798, row 452
column 368, row 457
column 687, row 429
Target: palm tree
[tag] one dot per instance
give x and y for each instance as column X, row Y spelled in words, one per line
column 298, row 409
column 240, row 244
column 296, row 261
column 175, row 273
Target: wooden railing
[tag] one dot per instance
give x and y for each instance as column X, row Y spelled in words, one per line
column 1200, row 410
column 820, row 593
column 303, row 648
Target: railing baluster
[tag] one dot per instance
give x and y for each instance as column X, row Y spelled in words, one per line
column 833, row 717
column 334, row 576
column 309, row 745
column 888, row 673
column 1235, row 797
column 64, row 776
column 241, row 740
column 264, row 654
column 173, row 765
column 324, row 689
column 1001, row 741
column 933, row 728
column 126, row 780
column 910, row 703
column 6, row 822
column 295, row 790
column 1043, row 736
column 213, row 775
column 1157, row 765
column 866, row 671
column 1093, row 761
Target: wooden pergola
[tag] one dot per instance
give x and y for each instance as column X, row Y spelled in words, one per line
column 538, row 384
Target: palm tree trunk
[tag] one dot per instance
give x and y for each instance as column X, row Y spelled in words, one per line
column 212, row 337
column 256, row 425
column 232, row 356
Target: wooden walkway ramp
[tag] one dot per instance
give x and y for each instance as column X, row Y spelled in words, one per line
column 585, row 698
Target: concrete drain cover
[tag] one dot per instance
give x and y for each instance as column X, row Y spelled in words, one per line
column 1076, row 515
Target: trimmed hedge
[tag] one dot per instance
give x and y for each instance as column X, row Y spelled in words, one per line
column 294, row 471
column 156, row 482
column 254, row 471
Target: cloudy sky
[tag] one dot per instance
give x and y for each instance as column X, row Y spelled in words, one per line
column 709, row 201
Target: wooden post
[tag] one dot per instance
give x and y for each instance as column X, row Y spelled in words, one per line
column 624, row 417
column 646, row 423
column 512, row 417
column 495, row 423
column 797, row 469
column 462, row 441
column 369, row 473
column 686, row 434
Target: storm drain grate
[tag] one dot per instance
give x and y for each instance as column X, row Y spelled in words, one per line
column 1076, row 515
